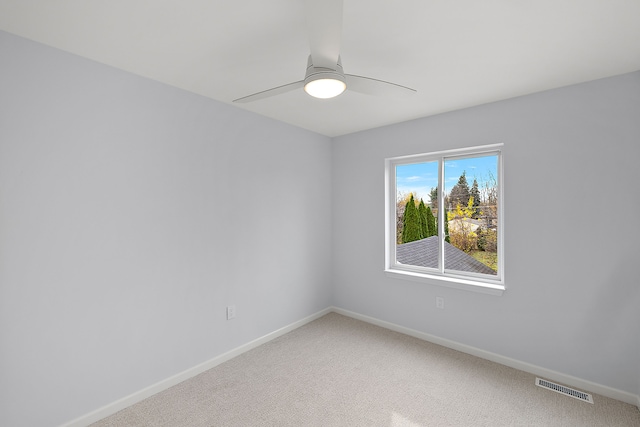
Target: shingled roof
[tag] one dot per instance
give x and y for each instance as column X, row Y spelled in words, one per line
column 424, row 253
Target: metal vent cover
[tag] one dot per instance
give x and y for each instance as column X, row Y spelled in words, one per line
column 576, row 394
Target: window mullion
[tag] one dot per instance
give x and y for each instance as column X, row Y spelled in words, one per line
column 441, row 215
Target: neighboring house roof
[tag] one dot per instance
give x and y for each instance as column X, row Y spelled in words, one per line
column 469, row 224
column 424, row 253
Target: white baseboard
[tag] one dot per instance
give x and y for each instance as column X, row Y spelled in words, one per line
column 138, row 396
column 503, row 360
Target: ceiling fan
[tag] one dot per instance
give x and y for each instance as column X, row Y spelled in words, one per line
column 324, row 77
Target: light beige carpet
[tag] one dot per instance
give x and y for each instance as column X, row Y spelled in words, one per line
column 337, row 371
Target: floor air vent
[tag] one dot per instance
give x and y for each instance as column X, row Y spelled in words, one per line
column 576, row 394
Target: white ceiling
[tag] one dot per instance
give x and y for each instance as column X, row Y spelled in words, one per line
column 456, row 53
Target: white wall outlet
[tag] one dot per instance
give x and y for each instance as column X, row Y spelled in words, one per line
column 231, row 312
column 440, row 303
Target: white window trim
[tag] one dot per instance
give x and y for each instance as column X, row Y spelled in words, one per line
column 441, row 277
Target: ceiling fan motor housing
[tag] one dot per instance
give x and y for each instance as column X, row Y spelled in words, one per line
column 333, row 80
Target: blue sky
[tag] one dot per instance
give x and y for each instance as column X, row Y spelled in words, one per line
column 420, row 178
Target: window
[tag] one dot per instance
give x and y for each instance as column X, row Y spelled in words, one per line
column 444, row 218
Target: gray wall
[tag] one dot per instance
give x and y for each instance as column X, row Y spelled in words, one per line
column 571, row 228
column 131, row 214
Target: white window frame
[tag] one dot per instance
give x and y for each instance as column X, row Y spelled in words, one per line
column 440, row 276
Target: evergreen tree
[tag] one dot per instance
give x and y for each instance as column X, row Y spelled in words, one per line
column 432, row 230
column 475, row 193
column 422, row 214
column 411, row 223
column 460, row 192
column 434, row 198
column 446, row 227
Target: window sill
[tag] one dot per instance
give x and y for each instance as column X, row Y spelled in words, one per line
column 448, row 282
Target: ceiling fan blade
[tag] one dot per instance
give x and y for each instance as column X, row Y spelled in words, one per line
column 371, row 86
column 270, row 92
column 324, row 22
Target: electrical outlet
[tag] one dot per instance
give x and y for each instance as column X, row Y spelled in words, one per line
column 231, row 312
column 440, row 303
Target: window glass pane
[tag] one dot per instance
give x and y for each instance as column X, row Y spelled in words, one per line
column 416, row 210
column 471, row 202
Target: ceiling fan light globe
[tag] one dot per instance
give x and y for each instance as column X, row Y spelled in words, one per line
column 325, row 88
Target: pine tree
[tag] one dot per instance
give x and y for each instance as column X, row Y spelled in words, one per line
column 431, row 224
column 433, row 194
column 411, row 223
column 475, row 193
column 422, row 214
column 460, row 192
